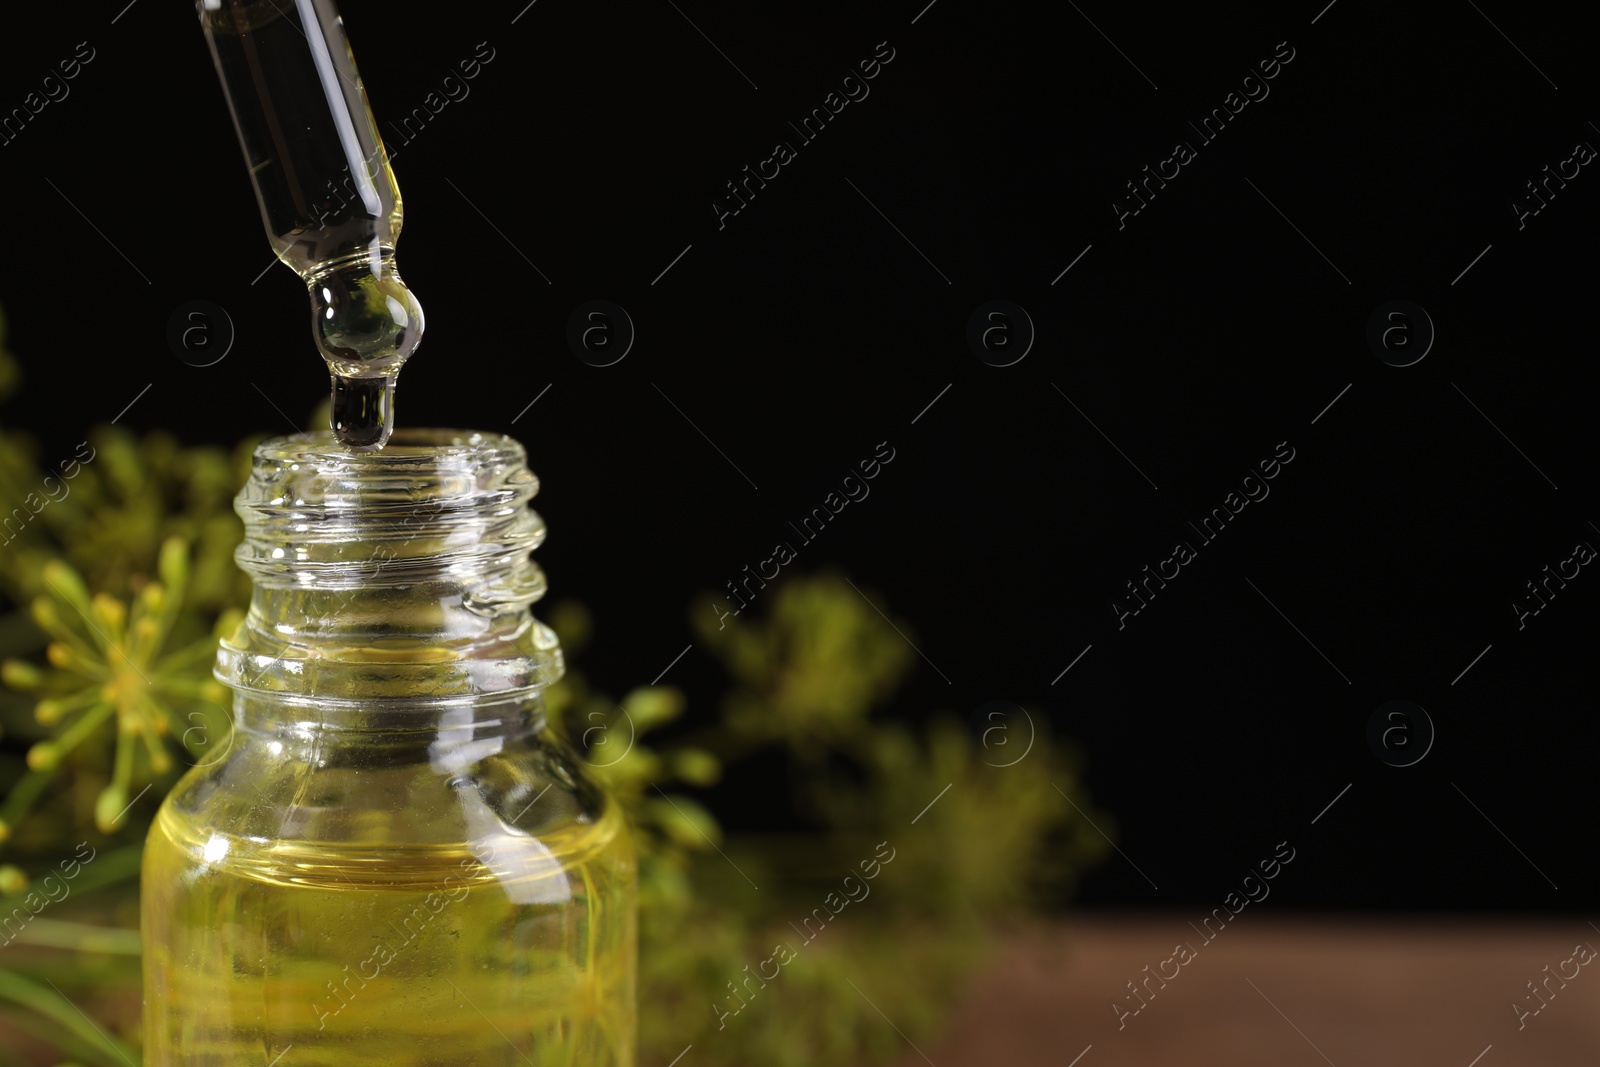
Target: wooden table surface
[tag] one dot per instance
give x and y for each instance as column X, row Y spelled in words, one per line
column 1266, row 992
column 1281, row 993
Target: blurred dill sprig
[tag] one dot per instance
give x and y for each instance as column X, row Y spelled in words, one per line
column 123, row 669
column 116, row 575
column 108, row 506
column 808, row 677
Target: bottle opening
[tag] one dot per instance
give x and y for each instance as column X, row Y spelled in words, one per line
column 400, row 574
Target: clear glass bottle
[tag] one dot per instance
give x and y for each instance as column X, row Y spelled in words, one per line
column 395, row 863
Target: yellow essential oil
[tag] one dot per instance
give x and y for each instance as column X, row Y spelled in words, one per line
column 391, row 860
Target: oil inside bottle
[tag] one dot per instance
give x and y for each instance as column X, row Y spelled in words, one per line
column 494, row 955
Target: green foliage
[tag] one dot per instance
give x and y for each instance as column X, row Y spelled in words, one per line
column 810, row 675
column 809, row 683
column 125, row 497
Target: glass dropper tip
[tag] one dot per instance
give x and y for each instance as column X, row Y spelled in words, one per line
column 366, row 324
column 363, row 411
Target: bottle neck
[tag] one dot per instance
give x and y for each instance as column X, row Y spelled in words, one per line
column 450, row 735
column 390, row 586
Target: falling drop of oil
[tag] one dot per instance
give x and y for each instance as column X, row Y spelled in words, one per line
column 363, row 411
column 367, row 323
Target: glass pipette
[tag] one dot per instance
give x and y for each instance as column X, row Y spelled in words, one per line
column 327, row 194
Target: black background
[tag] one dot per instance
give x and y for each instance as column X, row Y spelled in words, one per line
column 808, row 330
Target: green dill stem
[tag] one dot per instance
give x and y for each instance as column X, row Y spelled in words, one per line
column 197, row 651
column 122, row 768
column 81, row 937
column 103, row 869
column 54, row 1006
column 20, row 800
column 75, row 734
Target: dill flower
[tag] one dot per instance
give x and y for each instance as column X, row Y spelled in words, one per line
column 114, row 672
column 812, row 670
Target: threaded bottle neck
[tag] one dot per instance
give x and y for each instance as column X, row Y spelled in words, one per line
column 401, row 575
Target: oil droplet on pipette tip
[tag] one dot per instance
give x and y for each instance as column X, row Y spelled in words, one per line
column 363, row 411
